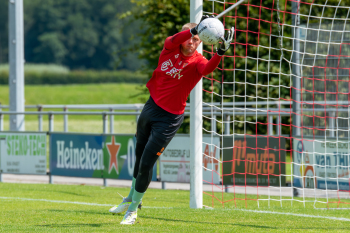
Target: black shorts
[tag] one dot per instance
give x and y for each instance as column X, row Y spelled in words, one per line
column 156, row 127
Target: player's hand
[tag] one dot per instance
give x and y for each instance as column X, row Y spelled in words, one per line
column 194, row 31
column 226, row 42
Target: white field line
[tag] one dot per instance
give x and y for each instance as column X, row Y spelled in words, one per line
column 75, row 202
column 332, row 208
column 292, row 214
column 154, row 207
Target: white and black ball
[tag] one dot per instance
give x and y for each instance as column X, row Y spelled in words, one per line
column 210, row 31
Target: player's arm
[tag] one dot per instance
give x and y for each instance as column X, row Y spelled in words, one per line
column 206, row 67
column 177, row 39
column 174, row 41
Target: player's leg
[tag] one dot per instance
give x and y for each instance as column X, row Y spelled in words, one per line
column 154, row 148
column 142, row 134
column 141, row 141
column 162, row 133
column 124, row 205
column 149, row 157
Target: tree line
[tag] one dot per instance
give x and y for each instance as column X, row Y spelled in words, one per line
column 79, row 34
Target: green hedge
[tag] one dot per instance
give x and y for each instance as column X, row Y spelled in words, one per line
column 76, row 77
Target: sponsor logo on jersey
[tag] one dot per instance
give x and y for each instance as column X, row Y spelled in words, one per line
column 166, row 65
column 177, row 55
column 175, row 73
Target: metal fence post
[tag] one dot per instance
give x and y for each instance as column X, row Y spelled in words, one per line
column 104, row 118
column 111, row 122
column 227, row 124
column 278, row 130
column 51, row 116
column 40, row 118
column 279, row 121
column 0, row 150
column 270, row 125
column 105, row 125
column 1, row 120
column 65, row 124
column 213, row 124
column 332, row 124
column 50, row 178
column 50, row 130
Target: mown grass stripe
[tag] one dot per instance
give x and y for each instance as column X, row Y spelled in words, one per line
column 156, row 207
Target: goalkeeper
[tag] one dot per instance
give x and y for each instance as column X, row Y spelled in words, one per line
column 180, row 68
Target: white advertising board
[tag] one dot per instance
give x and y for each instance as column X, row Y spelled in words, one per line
column 319, row 164
column 23, row 153
column 175, row 160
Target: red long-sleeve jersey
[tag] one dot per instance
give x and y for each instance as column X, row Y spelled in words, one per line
column 176, row 74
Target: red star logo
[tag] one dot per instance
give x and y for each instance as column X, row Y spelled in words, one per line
column 113, row 150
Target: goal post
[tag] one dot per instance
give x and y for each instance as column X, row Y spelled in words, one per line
column 196, row 161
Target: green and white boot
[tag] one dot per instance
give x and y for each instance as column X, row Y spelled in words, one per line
column 122, row 207
column 129, row 218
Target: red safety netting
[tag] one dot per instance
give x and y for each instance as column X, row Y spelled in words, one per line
column 276, row 110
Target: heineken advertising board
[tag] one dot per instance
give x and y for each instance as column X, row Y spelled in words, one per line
column 254, row 161
column 23, row 153
column 98, row 156
column 320, row 164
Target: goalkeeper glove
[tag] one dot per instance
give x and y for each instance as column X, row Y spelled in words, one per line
column 194, row 31
column 226, row 42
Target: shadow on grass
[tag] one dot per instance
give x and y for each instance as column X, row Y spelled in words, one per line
column 247, row 225
column 84, row 211
column 74, row 225
column 211, row 223
column 52, row 191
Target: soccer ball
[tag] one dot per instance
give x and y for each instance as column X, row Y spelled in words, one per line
column 210, row 31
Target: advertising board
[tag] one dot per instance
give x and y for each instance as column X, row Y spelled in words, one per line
column 175, row 160
column 23, row 153
column 254, row 161
column 99, row 156
column 320, row 164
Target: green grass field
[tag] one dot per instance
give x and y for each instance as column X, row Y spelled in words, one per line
column 68, row 208
column 54, row 208
column 112, row 93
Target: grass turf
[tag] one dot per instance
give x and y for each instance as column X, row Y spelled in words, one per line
column 110, row 93
column 164, row 210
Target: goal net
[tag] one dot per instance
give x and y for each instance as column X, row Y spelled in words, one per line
column 279, row 103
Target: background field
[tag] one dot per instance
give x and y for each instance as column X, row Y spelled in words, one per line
column 110, row 93
column 32, row 207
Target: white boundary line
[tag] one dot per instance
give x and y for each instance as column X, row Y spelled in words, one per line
column 75, row 202
column 332, row 208
column 292, row 214
column 154, row 207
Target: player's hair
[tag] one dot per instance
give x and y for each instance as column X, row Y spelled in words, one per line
column 188, row 26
